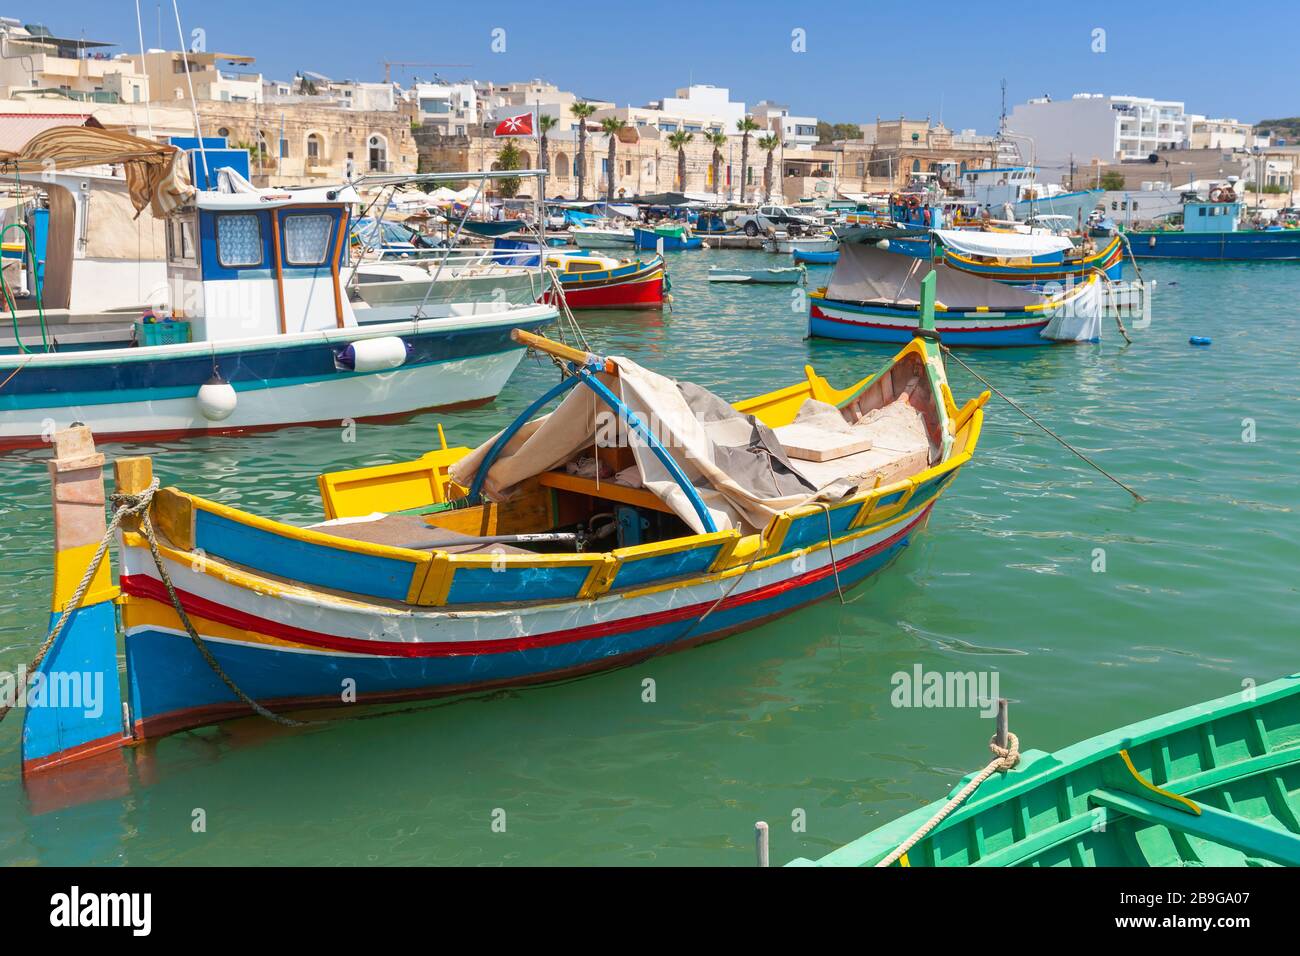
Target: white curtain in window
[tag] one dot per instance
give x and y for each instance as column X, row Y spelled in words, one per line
column 307, row 239
column 239, row 240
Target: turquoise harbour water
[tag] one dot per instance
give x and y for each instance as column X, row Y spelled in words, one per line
column 791, row 721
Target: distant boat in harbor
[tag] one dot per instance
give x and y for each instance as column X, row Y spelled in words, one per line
column 1212, row 230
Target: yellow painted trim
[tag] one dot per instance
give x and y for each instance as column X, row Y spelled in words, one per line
column 636, row 552
column 476, row 562
column 601, row 577
column 774, row 535
column 1188, row 804
column 69, row 567
column 437, row 580
column 363, row 491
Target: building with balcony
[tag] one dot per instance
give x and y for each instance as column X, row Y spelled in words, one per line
column 34, row 62
column 450, row 109
column 1205, row 133
column 1095, row 127
column 703, row 105
column 215, row 77
column 796, row 132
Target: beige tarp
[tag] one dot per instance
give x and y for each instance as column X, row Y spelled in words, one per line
column 156, row 174
column 735, row 462
column 114, row 231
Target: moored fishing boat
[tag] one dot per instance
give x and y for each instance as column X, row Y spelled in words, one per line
column 1216, row 784
column 789, row 244
column 874, row 296
column 815, row 258
column 260, row 332
column 602, row 235
column 1212, row 230
column 593, row 281
column 787, row 276
column 572, row 543
column 674, row 237
column 1017, row 258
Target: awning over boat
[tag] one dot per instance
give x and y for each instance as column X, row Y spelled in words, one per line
column 157, row 175
column 1002, row 245
column 865, row 273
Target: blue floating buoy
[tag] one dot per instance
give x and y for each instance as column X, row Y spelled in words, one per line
column 1199, row 340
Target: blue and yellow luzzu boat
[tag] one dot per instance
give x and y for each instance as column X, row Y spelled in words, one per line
column 1018, row 269
column 641, row 516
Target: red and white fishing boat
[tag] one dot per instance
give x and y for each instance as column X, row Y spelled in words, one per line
column 594, row 281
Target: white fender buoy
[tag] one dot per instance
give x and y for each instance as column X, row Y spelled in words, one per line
column 373, row 355
column 883, row 244
column 217, row 398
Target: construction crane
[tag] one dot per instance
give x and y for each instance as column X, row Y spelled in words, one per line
column 389, row 64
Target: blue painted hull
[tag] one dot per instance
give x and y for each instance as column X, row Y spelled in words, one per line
column 816, row 258
column 1248, row 246
column 649, row 239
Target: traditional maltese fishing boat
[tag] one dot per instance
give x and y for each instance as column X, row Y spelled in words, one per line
column 874, row 296
column 1016, row 258
column 641, row 516
column 1217, row 784
column 258, row 331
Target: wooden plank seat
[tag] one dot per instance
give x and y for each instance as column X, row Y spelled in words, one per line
column 410, row 531
column 607, row 489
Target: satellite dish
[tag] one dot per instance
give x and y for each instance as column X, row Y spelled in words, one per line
column 1153, row 158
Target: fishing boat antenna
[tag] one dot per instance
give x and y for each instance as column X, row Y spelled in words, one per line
column 139, row 29
column 194, row 106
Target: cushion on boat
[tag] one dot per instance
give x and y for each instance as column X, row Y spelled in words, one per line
column 899, row 445
column 410, row 531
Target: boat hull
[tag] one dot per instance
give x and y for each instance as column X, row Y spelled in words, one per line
column 151, row 392
column 1248, row 246
column 634, row 286
column 649, row 239
column 291, row 652
column 815, row 258
column 852, row 322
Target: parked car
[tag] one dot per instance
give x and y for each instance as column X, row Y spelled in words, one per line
column 769, row 219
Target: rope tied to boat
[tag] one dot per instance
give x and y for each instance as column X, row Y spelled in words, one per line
column 1004, row 758
column 137, row 505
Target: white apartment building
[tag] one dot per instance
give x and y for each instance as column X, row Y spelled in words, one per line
column 796, row 132
column 703, row 105
column 450, row 108
column 33, row 61
column 1095, row 126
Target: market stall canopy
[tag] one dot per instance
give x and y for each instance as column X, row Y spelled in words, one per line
column 866, row 273
column 1002, row 245
column 156, row 174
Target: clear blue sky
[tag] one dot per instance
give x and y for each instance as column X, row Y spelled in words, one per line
column 864, row 58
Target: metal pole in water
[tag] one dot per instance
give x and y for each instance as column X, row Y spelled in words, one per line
column 1002, row 722
column 760, row 842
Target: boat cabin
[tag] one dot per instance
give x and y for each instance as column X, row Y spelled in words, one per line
column 1211, row 216
column 247, row 264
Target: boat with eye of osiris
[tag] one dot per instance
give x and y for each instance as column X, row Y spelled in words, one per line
column 641, row 516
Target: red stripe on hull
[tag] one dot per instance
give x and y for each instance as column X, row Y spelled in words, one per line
column 142, row 585
column 817, row 313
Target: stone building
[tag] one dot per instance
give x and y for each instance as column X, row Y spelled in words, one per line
column 296, row 144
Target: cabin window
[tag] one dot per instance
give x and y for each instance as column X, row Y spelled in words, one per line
column 307, row 239
column 239, row 240
column 580, row 266
column 1201, row 211
column 180, row 240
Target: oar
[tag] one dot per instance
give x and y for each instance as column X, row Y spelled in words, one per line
column 558, row 349
column 949, row 352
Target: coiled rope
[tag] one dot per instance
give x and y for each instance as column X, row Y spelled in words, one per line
column 131, row 505
column 1004, row 758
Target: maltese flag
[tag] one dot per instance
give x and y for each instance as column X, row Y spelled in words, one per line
column 521, row 125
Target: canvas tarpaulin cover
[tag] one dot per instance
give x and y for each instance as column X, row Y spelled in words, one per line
column 865, row 273
column 1002, row 245
column 734, row 461
column 156, row 175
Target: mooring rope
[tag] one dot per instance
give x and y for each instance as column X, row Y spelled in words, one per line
column 125, row 506
column 993, row 388
column 1004, row 758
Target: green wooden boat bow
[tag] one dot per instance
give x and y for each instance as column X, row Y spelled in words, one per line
column 1216, row 784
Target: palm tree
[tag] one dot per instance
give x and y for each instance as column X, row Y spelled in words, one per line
column 544, row 125
column 610, row 126
column 717, row 140
column 768, row 144
column 582, row 109
column 745, row 125
column 678, row 142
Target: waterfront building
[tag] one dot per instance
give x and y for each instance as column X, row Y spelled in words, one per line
column 1096, row 126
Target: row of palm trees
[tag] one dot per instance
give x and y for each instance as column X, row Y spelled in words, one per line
column 611, row 126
